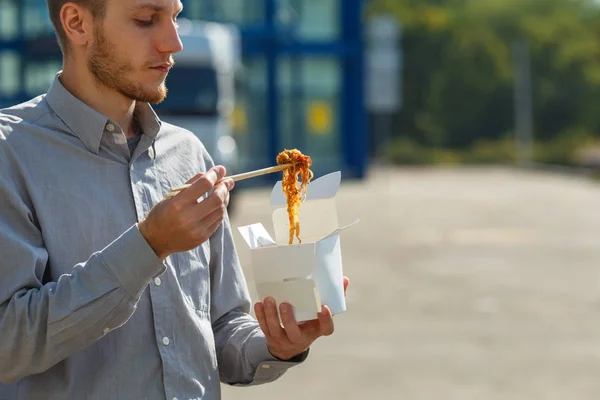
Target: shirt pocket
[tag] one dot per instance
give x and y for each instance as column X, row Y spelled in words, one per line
column 193, row 274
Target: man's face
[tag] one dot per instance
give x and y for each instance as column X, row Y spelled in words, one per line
column 133, row 47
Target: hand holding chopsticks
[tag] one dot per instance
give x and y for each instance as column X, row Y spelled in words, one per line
column 238, row 177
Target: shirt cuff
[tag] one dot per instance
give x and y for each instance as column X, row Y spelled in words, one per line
column 258, row 352
column 133, row 262
column 297, row 359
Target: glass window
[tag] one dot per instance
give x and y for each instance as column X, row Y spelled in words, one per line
column 322, row 75
column 322, row 82
column 195, row 9
column 242, row 12
column 313, row 19
column 319, row 19
column 251, row 97
column 9, row 28
column 291, row 95
column 10, row 63
column 310, row 106
column 192, row 9
column 39, row 76
column 36, row 20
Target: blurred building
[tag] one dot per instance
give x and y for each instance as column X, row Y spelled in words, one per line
column 301, row 85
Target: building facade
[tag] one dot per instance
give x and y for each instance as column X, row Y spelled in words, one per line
column 303, row 73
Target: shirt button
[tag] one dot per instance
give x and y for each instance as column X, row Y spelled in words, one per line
column 157, row 281
column 266, row 366
column 110, row 127
column 174, row 398
column 166, row 341
column 106, row 330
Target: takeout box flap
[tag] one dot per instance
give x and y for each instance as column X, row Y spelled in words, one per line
column 318, row 212
column 317, row 219
column 324, row 187
column 256, row 236
column 328, row 275
column 338, row 230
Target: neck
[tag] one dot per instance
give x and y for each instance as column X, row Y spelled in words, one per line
column 82, row 84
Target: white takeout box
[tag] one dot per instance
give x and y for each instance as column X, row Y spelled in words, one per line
column 309, row 274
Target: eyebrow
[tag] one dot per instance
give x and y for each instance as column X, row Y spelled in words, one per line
column 153, row 7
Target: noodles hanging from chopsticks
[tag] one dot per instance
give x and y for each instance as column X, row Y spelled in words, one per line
column 295, row 194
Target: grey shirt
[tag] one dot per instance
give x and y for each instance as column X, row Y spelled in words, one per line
column 87, row 310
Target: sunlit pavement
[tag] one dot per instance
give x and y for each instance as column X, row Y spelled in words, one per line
column 465, row 284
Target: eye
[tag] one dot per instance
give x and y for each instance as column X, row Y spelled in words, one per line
column 144, row 22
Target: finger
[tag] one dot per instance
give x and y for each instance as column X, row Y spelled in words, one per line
column 275, row 328
column 227, row 195
column 217, row 199
column 190, row 181
column 209, row 217
column 194, row 178
column 228, row 182
column 212, row 212
column 259, row 310
column 208, row 232
column 221, row 192
column 289, row 323
column 202, row 185
column 201, row 215
column 346, row 283
column 325, row 321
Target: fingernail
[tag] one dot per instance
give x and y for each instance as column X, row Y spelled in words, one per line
column 270, row 301
column 285, row 308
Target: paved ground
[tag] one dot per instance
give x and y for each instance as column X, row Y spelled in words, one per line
column 466, row 284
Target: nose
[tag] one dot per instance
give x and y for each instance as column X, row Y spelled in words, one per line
column 168, row 39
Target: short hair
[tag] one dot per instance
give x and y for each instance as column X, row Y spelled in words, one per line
column 96, row 7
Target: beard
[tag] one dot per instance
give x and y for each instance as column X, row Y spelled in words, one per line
column 111, row 71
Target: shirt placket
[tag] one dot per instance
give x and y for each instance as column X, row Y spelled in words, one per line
column 142, row 177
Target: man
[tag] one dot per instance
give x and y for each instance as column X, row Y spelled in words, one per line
column 108, row 290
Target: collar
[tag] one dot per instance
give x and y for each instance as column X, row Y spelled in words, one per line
column 88, row 124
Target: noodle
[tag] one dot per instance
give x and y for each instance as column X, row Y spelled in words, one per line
column 294, row 194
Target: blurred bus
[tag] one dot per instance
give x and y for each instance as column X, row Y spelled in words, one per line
column 202, row 88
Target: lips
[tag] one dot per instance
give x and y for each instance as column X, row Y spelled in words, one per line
column 163, row 67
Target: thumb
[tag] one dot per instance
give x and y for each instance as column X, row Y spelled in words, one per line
column 346, row 283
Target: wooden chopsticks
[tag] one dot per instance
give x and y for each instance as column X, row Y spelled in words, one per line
column 238, row 177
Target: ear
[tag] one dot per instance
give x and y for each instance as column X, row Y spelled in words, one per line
column 78, row 24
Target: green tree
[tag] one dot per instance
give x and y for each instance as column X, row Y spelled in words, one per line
column 458, row 67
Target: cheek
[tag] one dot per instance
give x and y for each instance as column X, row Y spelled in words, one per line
column 132, row 47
